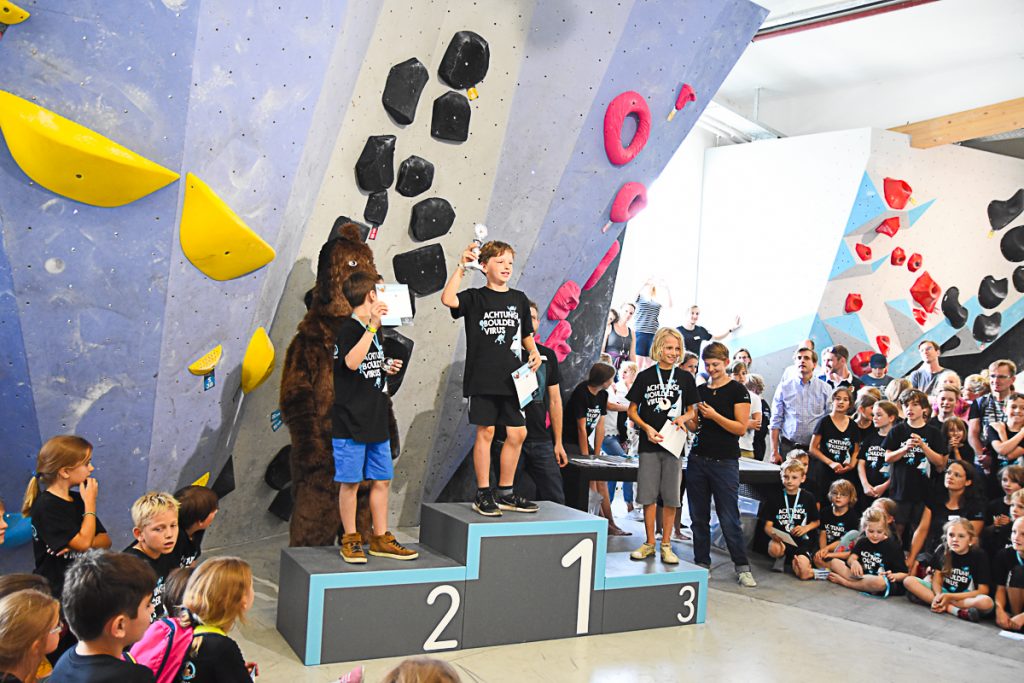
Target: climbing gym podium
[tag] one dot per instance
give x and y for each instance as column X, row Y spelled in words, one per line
column 480, row 581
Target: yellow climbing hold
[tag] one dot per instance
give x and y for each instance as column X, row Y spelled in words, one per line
column 205, row 365
column 472, row 94
column 258, row 362
column 203, row 480
column 73, row 161
column 11, row 14
column 215, row 239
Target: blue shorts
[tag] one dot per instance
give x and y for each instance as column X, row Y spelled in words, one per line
column 355, row 461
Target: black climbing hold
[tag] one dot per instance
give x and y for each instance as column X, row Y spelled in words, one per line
column 451, row 117
column 397, row 346
column 465, row 61
column 376, row 208
column 415, row 176
column 1012, row 244
column 986, row 327
column 279, row 474
column 403, row 89
column 951, row 308
column 1001, row 213
column 1018, row 278
column 950, row 344
column 423, row 269
column 364, row 230
column 431, row 218
column 375, row 169
column 281, row 506
column 991, row 291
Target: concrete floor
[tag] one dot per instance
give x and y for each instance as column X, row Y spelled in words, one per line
column 784, row 630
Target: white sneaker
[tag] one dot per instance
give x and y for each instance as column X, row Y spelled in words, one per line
column 637, row 515
column 746, row 579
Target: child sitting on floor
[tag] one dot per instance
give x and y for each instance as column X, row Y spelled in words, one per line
column 794, row 512
column 960, row 577
column 839, row 524
column 1009, row 581
column 876, row 565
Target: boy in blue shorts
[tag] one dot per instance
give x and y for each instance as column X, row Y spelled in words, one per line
column 498, row 328
column 362, row 448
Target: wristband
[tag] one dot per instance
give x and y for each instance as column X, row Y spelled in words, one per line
column 371, row 329
column 89, row 513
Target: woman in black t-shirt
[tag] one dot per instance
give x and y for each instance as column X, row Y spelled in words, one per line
column 712, row 469
column 958, row 500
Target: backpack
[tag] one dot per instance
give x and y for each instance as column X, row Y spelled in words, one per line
column 162, row 649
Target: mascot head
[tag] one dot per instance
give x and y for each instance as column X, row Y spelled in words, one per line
column 345, row 253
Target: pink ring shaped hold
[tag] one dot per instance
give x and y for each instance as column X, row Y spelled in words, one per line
column 631, row 200
column 623, row 105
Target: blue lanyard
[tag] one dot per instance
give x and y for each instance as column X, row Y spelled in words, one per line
column 790, row 511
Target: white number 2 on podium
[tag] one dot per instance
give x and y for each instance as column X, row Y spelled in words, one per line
column 432, row 644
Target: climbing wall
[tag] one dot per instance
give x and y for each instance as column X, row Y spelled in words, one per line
column 905, row 227
column 101, row 312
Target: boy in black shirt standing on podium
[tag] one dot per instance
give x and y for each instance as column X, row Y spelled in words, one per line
column 498, row 327
column 362, row 445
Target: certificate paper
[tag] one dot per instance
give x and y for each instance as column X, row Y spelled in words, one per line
column 783, row 536
column 673, row 438
column 525, row 380
column 399, row 304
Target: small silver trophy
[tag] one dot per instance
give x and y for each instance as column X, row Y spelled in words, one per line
column 480, row 232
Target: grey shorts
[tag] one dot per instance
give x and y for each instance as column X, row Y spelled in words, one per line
column 660, row 473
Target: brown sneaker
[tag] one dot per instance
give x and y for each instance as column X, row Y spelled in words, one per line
column 385, row 545
column 352, row 549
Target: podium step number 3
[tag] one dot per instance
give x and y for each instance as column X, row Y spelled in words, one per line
column 480, row 581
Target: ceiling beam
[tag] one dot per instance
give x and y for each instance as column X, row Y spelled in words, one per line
column 966, row 125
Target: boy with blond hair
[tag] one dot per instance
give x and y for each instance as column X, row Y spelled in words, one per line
column 155, row 527
column 498, row 328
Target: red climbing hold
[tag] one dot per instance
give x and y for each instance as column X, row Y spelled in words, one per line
column 606, row 261
column 890, row 226
column 615, row 115
column 926, row 292
column 859, row 363
column 914, row 263
column 630, row 200
column 686, row 94
column 882, row 341
column 565, row 301
column 897, row 192
column 863, row 251
column 898, row 256
column 920, row 316
column 854, row 303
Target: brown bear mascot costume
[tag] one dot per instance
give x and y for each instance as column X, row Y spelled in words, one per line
column 307, row 395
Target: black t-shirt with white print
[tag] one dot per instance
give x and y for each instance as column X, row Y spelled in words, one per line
column 711, row 439
column 836, row 526
column 941, row 513
column 881, row 557
column 162, row 566
column 187, row 550
column 660, row 397
column 969, row 571
column 786, row 511
column 876, row 469
column 999, row 461
column 909, row 480
column 496, row 324
column 1004, row 562
column 55, row 522
column 583, row 404
column 837, row 445
column 360, row 403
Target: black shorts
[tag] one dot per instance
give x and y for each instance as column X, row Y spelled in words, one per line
column 492, row 411
column 803, row 549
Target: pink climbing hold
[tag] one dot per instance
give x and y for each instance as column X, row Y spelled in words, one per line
column 897, row 192
column 863, row 251
column 629, row 201
column 890, row 226
column 626, row 104
column 557, row 341
column 565, row 301
column 686, row 94
column 606, row 261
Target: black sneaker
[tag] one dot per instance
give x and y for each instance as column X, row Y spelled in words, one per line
column 485, row 505
column 514, row 503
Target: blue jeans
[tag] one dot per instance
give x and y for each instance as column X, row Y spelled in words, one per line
column 706, row 478
column 611, row 446
column 538, row 476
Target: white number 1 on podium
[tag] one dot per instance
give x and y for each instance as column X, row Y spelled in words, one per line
column 584, row 553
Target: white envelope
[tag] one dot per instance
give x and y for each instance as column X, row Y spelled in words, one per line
column 673, row 438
